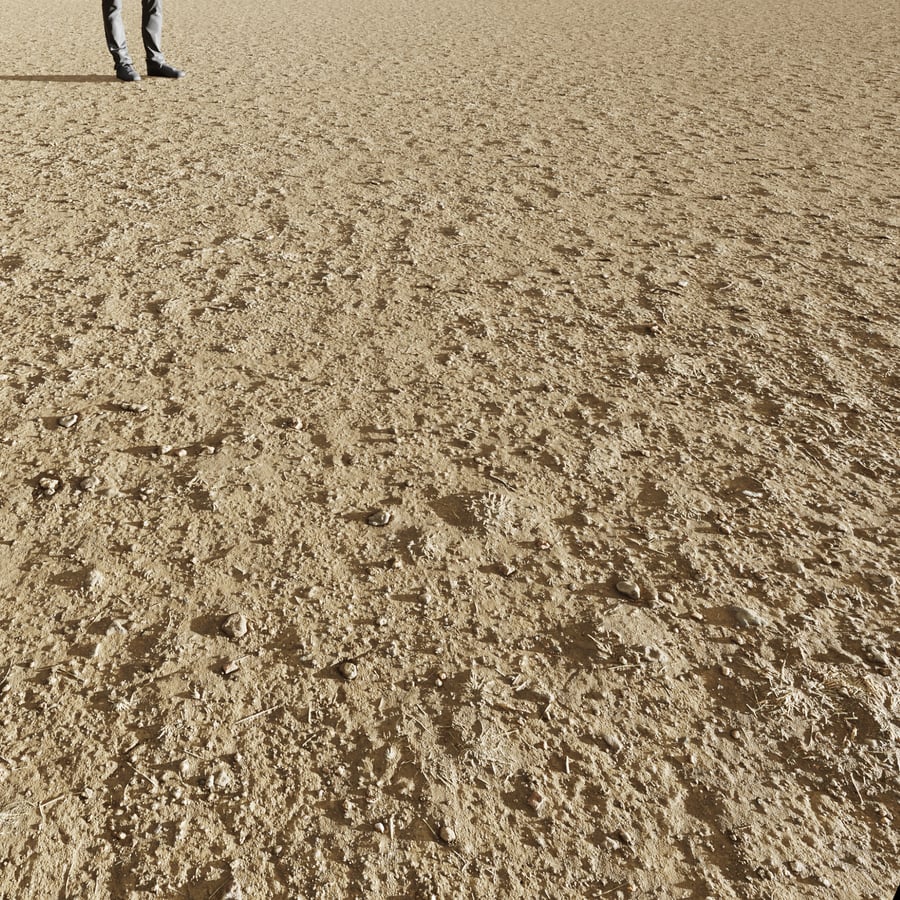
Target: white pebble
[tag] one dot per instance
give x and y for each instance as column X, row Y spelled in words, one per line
column 235, row 625
column 348, row 670
column 629, row 589
column 746, row 618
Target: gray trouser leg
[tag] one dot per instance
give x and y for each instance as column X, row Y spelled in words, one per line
column 151, row 30
column 115, row 32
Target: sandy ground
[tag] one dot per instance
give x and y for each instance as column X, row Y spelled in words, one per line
column 525, row 374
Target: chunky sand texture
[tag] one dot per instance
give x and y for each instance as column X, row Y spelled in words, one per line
column 524, row 373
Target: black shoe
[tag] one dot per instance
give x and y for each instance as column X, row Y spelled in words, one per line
column 127, row 72
column 163, row 70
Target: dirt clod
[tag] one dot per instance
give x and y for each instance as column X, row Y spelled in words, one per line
column 235, row 625
column 379, row 518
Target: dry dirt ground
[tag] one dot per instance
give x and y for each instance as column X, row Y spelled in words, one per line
column 525, row 374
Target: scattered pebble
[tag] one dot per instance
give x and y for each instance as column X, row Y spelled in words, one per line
column 379, row 518
column 235, row 625
column 233, row 891
column 447, row 834
column 746, row 618
column 348, row 670
column 89, row 484
column 613, row 742
column 656, row 654
column 67, row 421
column 133, row 407
column 506, row 570
column 94, row 580
column 379, row 827
column 535, row 800
column 629, row 589
column 48, row 485
column 230, row 667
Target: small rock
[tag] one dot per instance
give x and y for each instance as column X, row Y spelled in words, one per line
column 534, row 800
column 379, row 827
column 506, row 570
column 67, row 421
column 235, row 625
column 117, row 626
column 48, row 485
column 233, row 891
column 133, row 407
column 613, row 742
column 89, row 484
column 348, row 670
column 230, row 667
column 94, row 580
column 746, row 618
column 629, row 589
column 379, row 518
column 447, row 834
column 656, row 654
column 878, row 657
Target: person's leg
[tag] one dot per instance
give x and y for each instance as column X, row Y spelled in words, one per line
column 157, row 67
column 151, row 29
column 115, row 32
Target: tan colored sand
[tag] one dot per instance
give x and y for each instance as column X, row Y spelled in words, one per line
column 578, row 292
